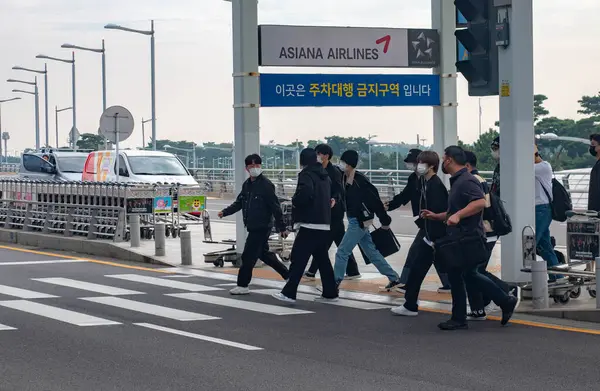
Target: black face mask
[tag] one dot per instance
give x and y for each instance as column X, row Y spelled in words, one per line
column 593, row 151
column 444, row 168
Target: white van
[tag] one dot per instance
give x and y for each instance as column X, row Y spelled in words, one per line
column 136, row 166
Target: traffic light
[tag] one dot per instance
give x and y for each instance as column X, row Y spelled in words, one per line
column 479, row 39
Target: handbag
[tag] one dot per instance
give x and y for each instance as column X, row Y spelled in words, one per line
column 385, row 242
column 461, row 249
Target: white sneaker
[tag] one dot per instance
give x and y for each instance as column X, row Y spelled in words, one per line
column 355, row 277
column 281, row 297
column 239, row 290
column 402, row 311
column 491, row 308
column 321, row 299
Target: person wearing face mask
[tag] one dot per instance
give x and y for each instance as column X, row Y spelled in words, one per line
column 433, row 196
column 362, row 205
column 495, row 147
column 259, row 204
column 324, row 155
column 311, row 214
column 412, row 193
column 594, row 187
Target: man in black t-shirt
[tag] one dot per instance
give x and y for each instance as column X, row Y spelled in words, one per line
column 466, row 202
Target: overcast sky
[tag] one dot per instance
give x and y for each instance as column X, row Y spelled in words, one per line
column 194, row 66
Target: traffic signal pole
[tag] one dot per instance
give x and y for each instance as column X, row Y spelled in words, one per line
column 516, row 130
column 443, row 15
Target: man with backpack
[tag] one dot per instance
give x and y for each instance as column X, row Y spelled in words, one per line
column 493, row 215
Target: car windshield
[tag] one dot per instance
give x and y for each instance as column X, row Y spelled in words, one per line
column 156, row 165
column 72, row 164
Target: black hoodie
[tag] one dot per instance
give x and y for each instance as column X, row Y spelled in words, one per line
column 312, row 200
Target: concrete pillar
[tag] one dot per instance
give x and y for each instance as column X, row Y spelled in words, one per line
column 159, row 239
column 186, row 247
column 134, row 230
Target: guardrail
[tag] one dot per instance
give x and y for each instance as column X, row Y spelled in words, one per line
column 9, row 168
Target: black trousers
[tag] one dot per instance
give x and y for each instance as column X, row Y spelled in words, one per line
column 336, row 235
column 477, row 300
column 257, row 246
column 316, row 243
column 422, row 256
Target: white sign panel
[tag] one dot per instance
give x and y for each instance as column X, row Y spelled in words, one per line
column 323, row 46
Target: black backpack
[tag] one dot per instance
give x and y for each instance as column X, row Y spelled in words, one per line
column 561, row 200
column 500, row 220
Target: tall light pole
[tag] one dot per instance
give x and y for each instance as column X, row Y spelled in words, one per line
column 37, row 106
column 112, row 26
column 72, row 62
column 4, row 101
column 45, row 73
column 56, row 111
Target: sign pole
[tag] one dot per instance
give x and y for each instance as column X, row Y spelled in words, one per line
column 443, row 15
column 246, row 94
column 117, row 146
column 516, row 132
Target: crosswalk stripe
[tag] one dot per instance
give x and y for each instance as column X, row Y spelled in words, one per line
column 245, row 305
column 41, row 262
column 4, row 327
column 87, row 286
column 56, row 313
column 361, row 305
column 23, row 293
column 199, row 336
column 151, row 309
column 186, row 286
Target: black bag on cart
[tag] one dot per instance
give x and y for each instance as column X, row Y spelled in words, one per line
column 385, row 241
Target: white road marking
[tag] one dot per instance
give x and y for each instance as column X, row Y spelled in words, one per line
column 185, row 286
column 245, row 305
column 23, row 293
column 178, row 276
column 56, row 313
column 199, row 336
column 362, row 305
column 42, row 262
column 5, row 327
column 152, row 309
column 88, row 286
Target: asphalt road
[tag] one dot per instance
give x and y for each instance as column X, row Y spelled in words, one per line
column 143, row 330
column 402, row 221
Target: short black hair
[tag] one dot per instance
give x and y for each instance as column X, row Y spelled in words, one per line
column 471, row 158
column 324, row 149
column 595, row 137
column 457, row 154
column 253, row 159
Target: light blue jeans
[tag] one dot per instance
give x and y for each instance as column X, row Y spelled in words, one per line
column 543, row 219
column 356, row 235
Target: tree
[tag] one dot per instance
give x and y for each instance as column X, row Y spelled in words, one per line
column 90, row 141
column 539, row 110
column 481, row 149
column 590, row 105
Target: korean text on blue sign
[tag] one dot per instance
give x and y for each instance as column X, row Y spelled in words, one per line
column 321, row 90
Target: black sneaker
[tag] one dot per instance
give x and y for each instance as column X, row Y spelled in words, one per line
column 392, row 285
column 477, row 315
column 309, row 275
column 509, row 309
column 451, row 325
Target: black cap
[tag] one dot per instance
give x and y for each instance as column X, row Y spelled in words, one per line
column 496, row 143
column 308, row 157
column 412, row 155
column 350, row 157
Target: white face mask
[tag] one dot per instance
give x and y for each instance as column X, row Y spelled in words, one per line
column 411, row 166
column 422, row 168
column 343, row 166
column 496, row 154
column 319, row 159
column 255, row 171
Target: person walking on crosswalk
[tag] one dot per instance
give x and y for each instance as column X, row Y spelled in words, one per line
column 259, row 204
column 311, row 213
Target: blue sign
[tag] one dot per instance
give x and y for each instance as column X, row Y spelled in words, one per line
column 320, row 90
column 461, row 21
column 462, row 54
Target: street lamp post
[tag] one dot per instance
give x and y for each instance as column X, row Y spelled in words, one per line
column 144, row 132
column 37, row 106
column 72, row 62
column 4, row 101
column 45, row 73
column 56, row 111
column 150, row 32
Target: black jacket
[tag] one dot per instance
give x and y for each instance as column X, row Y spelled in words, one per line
column 337, row 192
column 433, row 196
column 496, row 181
column 594, row 188
column 362, row 200
column 411, row 193
column 258, row 203
column 311, row 203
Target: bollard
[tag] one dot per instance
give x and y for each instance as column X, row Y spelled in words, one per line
column 159, row 239
column 596, row 286
column 539, row 285
column 186, row 247
column 134, row 230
